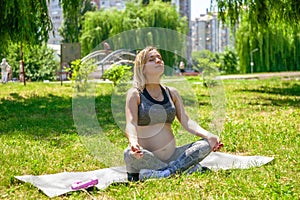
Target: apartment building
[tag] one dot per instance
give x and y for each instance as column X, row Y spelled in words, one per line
column 209, row 33
column 184, row 8
column 56, row 14
column 206, row 32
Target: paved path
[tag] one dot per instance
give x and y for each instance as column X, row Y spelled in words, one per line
column 261, row 75
column 227, row 77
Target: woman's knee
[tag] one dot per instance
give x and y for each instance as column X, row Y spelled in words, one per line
column 127, row 155
column 202, row 146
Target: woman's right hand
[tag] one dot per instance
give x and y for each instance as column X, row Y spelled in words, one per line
column 136, row 151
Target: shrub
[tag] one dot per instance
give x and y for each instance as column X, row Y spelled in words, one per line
column 118, row 73
column 39, row 62
column 205, row 58
column 80, row 72
column 229, row 62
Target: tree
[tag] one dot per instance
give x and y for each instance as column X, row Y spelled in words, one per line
column 229, row 62
column 39, row 62
column 105, row 24
column 260, row 12
column 118, row 73
column 272, row 27
column 73, row 14
column 205, row 58
column 25, row 21
column 278, row 47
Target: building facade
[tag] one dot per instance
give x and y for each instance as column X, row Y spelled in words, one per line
column 184, row 9
column 206, row 32
column 210, row 34
column 56, row 15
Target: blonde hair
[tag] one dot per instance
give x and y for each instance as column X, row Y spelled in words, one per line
column 139, row 79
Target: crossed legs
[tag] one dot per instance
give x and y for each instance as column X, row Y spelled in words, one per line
column 150, row 166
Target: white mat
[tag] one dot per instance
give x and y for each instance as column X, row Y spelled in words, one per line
column 57, row 184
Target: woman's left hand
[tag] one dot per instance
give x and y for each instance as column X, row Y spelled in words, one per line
column 218, row 146
column 214, row 142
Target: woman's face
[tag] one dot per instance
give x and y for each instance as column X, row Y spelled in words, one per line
column 154, row 64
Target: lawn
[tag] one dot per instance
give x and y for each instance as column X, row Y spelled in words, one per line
column 38, row 135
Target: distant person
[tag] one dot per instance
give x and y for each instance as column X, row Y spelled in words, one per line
column 181, row 67
column 5, row 69
column 106, row 47
column 9, row 75
column 21, row 75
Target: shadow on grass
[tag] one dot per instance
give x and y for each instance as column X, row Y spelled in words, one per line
column 276, row 102
column 287, row 90
column 288, row 95
column 47, row 115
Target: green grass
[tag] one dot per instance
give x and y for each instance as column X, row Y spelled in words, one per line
column 38, row 136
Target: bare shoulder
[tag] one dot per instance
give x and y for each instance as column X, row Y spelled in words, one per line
column 172, row 89
column 133, row 91
column 174, row 93
column 133, row 94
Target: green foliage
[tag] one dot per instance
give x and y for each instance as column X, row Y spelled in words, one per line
column 229, row 62
column 261, row 13
column 97, row 27
column 105, row 24
column 80, row 72
column 146, row 2
column 278, row 47
column 226, row 62
column 39, row 62
column 118, row 73
column 270, row 26
column 205, row 58
column 25, row 21
column 73, row 12
column 38, row 136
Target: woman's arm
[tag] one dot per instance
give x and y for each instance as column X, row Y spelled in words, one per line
column 189, row 124
column 131, row 111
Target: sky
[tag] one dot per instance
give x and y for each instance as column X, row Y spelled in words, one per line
column 199, row 7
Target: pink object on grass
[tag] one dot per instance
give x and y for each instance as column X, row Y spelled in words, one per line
column 84, row 184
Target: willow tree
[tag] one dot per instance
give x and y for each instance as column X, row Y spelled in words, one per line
column 104, row 24
column 273, row 49
column 260, row 12
column 73, row 16
column 270, row 27
column 24, row 22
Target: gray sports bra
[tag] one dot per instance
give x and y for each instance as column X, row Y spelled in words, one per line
column 151, row 111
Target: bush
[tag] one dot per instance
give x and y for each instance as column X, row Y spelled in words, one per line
column 39, row 62
column 118, row 73
column 80, row 72
column 205, row 58
column 226, row 62
column 229, row 62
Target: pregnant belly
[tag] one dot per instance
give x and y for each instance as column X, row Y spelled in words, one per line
column 161, row 144
column 166, row 152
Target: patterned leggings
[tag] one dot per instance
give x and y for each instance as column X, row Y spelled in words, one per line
column 182, row 159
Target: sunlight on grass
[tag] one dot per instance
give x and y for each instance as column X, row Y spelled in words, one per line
column 38, row 136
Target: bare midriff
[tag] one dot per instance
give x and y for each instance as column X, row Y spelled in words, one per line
column 157, row 138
